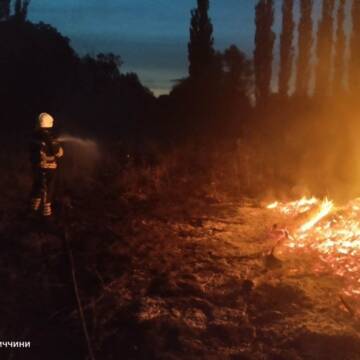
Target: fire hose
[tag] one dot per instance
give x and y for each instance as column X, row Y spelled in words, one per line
column 80, row 309
column 69, row 253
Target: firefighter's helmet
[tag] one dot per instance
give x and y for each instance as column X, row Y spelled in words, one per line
column 46, row 121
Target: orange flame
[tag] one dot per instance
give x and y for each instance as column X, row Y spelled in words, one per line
column 333, row 232
column 325, row 209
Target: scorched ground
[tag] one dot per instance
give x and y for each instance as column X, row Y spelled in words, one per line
column 200, row 280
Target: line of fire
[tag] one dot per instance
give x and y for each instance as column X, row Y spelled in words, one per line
column 180, row 180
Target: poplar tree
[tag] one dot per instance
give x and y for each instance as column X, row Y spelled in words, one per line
column 237, row 72
column 325, row 41
column 21, row 9
column 339, row 63
column 201, row 51
column 263, row 53
column 4, row 9
column 354, row 63
column 286, row 46
column 305, row 29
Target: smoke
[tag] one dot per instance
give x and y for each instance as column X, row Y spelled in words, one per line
column 81, row 157
column 307, row 147
column 324, row 151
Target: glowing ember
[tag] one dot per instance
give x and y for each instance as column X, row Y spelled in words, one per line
column 332, row 232
column 294, row 207
column 325, row 208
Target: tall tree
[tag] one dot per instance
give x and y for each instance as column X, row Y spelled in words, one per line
column 339, row 63
column 263, row 53
column 237, row 72
column 305, row 29
column 201, row 46
column 4, row 9
column 17, row 7
column 325, row 40
column 354, row 63
column 286, row 46
column 21, row 9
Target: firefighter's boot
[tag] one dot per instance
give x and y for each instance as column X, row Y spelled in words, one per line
column 35, row 204
column 47, row 210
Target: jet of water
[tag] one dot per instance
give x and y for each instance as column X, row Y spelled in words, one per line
column 77, row 140
column 80, row 156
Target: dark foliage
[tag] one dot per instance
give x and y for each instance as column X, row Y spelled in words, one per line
column 106, row 102
column 340, row 48
column 305, row 45
column 4, row 9
column 211, row 109
column 41, row 72
column 214, row 99
column 237, row 86
column 21, row 9
column 354, row 66
column 37, row 67
column 286, row 46
column 324, row 49
column 263, row 54
column 217, row 105
column 201, row 50
column 237, row 72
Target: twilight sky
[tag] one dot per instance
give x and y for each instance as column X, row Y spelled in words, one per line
column 150, row 35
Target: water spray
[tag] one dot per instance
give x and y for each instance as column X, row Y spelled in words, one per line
column 81, row 156
column 77, row 140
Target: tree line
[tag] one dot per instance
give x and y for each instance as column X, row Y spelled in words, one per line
column 220, row 90
column 303, row 131
column 331, row 68
column 40, row 71
column 306, row 129
column 19, row 11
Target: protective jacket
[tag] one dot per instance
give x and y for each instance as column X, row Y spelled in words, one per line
column 45, row 150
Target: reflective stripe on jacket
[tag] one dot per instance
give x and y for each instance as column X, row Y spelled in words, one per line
column 45, row 150
column 50, row 162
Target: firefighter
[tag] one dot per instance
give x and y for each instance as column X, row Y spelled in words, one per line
column 45, row 153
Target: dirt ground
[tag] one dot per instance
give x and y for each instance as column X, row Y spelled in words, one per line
column 161, row 279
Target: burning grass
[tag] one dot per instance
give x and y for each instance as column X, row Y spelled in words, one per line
column 182, row 274
column 329, row 231
column 171, row 282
